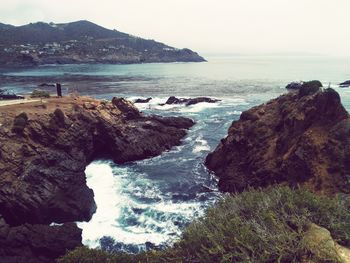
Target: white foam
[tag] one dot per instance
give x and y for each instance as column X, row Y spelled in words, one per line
column 116, row 193
column 158, row 103
column 235, row 112
column 201, row 145
column 199, row 107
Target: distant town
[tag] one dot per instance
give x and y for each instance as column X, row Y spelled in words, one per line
column 82, row 42
column 55, row 48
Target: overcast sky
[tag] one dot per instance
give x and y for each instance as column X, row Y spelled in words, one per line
column 206, row 26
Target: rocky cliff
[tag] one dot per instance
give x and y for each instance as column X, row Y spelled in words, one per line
column 44, row 149
column 302, row 137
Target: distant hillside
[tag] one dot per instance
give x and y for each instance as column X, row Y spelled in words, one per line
column 81, row 42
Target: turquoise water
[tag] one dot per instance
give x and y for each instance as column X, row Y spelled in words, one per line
column 151, row 201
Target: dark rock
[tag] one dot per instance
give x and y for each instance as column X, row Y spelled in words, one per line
column 310, row 87
column 37, row 243
column 345, row 84
column 126, row 107
column 173, row 100
column 47, row 85
column 42, row 177
column 201, row 99
column 143, row 100
column 294, row 85
column 292, row 139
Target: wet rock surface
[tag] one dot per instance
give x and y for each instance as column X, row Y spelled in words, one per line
column 143, row 100
column 42, row 177
column 345, row 84
column 191, row 101
column 36, row 243
column 299, row 138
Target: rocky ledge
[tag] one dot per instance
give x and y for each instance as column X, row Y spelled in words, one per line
column 44, row 149
column 299, row 138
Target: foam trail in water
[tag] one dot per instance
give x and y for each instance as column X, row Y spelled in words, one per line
column 131, row 209
column 201, row 145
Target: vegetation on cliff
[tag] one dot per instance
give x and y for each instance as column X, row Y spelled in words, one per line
column 255, row 226
column 82, row 42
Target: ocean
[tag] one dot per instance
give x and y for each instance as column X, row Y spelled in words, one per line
column 148, row 203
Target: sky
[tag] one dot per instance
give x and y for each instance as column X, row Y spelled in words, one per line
column 207, row 26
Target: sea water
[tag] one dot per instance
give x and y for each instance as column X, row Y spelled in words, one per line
column 148, row 203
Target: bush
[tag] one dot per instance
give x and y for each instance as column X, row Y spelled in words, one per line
column 20, row 122
column 40, row 94
column 254, row 226
column 59, row 116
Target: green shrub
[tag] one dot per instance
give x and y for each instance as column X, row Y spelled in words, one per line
column 40, row 94
column 20, row 122
column 254, row 226
column 59, row 116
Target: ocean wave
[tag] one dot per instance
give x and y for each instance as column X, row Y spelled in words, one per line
column 131, row 209
column 200, row 145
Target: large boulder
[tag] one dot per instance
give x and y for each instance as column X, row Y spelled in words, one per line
column 319, row 242
column 37, row 243
column 294, row 85
column 298, row 138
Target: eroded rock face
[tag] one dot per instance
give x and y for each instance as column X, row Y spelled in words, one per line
column 42, row 177
column 37, row 243
column 42, row 170
column 302, row 137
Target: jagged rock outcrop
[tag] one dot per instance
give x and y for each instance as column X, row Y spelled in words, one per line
column 294, row 85
column 190, row 101
column 36, row 243
column 42, row 177
column 299, row 138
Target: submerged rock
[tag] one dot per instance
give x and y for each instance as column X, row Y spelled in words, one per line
column 42, row 177
column 345, row 84
column 143, row 100
column 298, row 138
column 173, row 100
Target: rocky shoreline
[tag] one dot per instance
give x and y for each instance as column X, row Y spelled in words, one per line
column 299, row 138
column 302, row 137
column 42, row 165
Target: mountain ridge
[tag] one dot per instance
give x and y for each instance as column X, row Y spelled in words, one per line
column 82, row 42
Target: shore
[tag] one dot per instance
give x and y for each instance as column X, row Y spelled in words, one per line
column 15, row 102
column 45, row 147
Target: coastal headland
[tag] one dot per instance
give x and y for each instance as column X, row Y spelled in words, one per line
column 44, row 149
